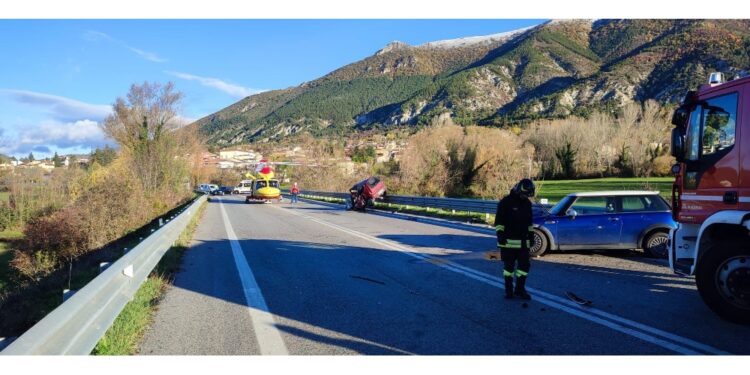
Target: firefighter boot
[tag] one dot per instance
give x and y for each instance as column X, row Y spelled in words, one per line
column 508, row 287
column 521, row 288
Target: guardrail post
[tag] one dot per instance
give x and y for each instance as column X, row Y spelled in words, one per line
column 161, row 222
column 103, row 266
column 67, row 293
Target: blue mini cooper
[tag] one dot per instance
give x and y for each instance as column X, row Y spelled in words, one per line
column 605, row 220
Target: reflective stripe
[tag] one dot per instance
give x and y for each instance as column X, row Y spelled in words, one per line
column 499, row 228
column 507, row 274
column 531, row 228
column 498, row 245
column 514, row 243
column 510, row 246
column 521, row 273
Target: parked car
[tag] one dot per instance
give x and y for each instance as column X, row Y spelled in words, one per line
column 207, row 188
column 605, row 220
column 223, row 190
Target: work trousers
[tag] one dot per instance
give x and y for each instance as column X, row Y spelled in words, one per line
column 511, row 256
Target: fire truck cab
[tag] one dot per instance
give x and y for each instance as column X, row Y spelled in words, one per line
column 711, row 194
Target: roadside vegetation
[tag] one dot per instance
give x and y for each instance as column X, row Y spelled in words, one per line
column 125, row 334
column 69, row 219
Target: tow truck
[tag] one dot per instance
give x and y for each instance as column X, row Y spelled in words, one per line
column 711, row 194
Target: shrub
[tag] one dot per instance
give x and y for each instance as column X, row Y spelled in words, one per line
column 7, row 217
column 49, row 240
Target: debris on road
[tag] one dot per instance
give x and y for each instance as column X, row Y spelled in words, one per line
column 576, row 299
column 492, row 255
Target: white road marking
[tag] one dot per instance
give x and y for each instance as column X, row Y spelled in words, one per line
column 644, row 332
column 268, row 336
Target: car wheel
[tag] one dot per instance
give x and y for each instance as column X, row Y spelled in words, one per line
column 539, row 245
column 655, row 245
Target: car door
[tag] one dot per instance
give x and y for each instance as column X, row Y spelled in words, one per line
column 594, row 225
column 638, row 213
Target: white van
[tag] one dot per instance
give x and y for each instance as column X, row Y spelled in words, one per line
column 244, row 187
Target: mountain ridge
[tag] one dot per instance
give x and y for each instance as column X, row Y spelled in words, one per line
column 556, row 69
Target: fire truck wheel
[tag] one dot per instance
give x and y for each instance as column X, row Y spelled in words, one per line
column 723, row 279
column 655, row 245
column 539, row 245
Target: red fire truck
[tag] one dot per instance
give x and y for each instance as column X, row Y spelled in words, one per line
column 711, row 194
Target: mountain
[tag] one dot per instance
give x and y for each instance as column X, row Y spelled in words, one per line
column 555, row 69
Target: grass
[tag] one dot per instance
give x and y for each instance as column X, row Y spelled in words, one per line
column 125, row 334
column 6, row 255
column 556, row 190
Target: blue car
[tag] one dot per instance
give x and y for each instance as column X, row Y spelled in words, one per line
column 605, row 220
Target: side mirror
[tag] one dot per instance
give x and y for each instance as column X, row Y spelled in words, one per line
column 572, row 213
column 678, row 144
column 676, row 169
column 680, row 117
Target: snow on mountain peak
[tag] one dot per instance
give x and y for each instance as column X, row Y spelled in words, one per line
column 473, row 40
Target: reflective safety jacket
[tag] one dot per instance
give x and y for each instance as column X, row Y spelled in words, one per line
column 513, row 221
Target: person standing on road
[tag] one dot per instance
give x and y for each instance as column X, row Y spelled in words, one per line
column 513, row 225
column 295, row 193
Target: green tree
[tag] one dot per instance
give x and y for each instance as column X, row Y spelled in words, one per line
column 461, row 164
column 364, row 155
column 31, row 156
column 57, row 160
column 566, row 155
column 103, row 156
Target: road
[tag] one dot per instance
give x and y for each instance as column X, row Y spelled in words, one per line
column 310, row 279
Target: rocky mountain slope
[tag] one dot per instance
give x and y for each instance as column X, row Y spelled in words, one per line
column 552, row 70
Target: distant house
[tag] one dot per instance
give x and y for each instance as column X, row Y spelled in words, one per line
column 238, row 155
column 226, row 164
column 209, row 158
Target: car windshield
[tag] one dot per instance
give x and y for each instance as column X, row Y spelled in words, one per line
column 557, row 209
column 274, row 183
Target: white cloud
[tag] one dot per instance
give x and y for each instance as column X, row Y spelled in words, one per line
column 54, row 135
column 61, row 108
column 63, row 134
column 150, row 56
column 229, row 88
column 95, row 36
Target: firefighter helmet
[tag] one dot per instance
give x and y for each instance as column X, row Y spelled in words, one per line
column 525, row 187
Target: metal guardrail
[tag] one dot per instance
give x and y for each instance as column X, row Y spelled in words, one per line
column 484, row 206
column 78, row 324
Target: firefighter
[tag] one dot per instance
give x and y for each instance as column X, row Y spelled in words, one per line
column 514, row 234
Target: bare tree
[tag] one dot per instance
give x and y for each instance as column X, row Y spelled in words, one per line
column 144, row 124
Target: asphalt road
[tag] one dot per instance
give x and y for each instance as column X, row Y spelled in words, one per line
column 312, row 278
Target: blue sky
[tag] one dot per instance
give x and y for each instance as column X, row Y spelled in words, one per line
column 59, row 77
